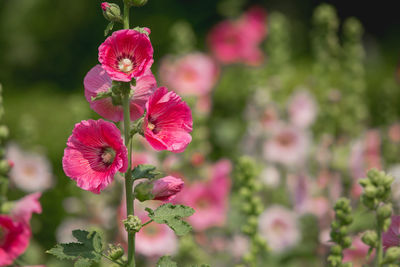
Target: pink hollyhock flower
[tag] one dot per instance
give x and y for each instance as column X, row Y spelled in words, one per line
column 288, row 145
column 14, row 239
column 97, row 81
column 192, row 74
column 302, row 109
column 209, row 199
column 126, row 54
column 394, row 133
column 143, row 157
column 31, row 171
column 27, row 205
column 357, row 253
column 279, row 227
column 104, row 6
column 253, row 23
column 168, row 121
column 390, row 238
column 95, row 153
column 165, row 189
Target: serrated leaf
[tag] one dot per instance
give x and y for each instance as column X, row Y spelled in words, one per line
column 172, row 216
column 144, row 171
column 89, row 247
column 82, row 263
column 108, row 28
column 166, row 261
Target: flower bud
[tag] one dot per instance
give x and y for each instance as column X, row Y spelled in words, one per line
column 370, row 191
column 384, row 211
column 3, row 132
column 386, row 224
column 116, row 252
column 346, row 242
column 392, row 255
column 335, row 260
column 132, row 224
column 136, row 2
column 336, row 250
column 4, row 166
column 166, row 188
column 370, row 238
column 111, row 12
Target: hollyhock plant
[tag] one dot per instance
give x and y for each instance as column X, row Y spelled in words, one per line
column 26, row 206
column 31, row 172
column 192, row 74
column 390, row 238
column 98, row 81
column 288, row 146
column 302, row 109
column 168, row 121
column 126, row 54
column 279, row 227
column 95, row 153
column 165, row 189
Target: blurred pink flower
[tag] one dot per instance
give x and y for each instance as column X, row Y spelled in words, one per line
column 357, row 253
column 154, row 239
column 390, row 238
column 302, row 109
column 95, row 153
column 14, row 239
column 97, row 80
column 168, row 121
column 279, row 227
column 394, row 132
column 270, row 118
column 15, row 231
column 165, row 189
column 209, row 199
column 238, row 41
column 31, row 172
column 143, row 157
column 288, row 145
column 192, row 74
column 126, row 54
column 299, row 186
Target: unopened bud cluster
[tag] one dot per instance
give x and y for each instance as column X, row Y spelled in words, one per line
column 111, row 12
column 115, row 252
column 392, row 256
column 250, row 206
column 339, row 231
column 132, row 224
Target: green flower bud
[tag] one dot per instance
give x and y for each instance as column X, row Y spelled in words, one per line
column 375, row 176
column 370, row 191
column 244, row 192
column 348, row 220
column 384, row 211
column 386, row 224
column 364, row 182
column 387, row 181
column 111, row 12
column 370, row 238
column 342, row 203
column 143, row 191
column 336, row 250
column 392, row 255
column 252, row 220
column 335, row 260
column 343, row 230
column 116, row 252
column 136, row 2
column 132, row 224
column 4, row 166
column 335, row 225
column 3, row 132
column 346, row 242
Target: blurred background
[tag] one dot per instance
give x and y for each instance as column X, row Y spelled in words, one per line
column 312, row 67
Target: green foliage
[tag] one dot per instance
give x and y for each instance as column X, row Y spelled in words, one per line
column 87, row 250
column 166, row 261
column 108, row 28
column 144, row 171
column 143, row 191
column 172, row 216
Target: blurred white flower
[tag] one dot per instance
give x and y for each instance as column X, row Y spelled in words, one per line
column 279, row 227
column 271, row 177
column 31, row 171
column 302, row 109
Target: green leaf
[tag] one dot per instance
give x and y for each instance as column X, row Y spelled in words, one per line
column 101, row 95
column 143, row 191
column 166, row 261
column 141, row 30
column 82, row 263
column 89, row 247
column 172, row 216
column 144, row 171
column 108, row 28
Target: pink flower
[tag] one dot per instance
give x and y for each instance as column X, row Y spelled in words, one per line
column 279, row 227
column 105, row 5
column 302, row 109
column 95, row 153
column 126, row 54
column 165, row 189
column 357, row 253
column 390, row 238
column 394, row 133
column 192, row 74
column 238, row 41
column 97, row 80
column 210, row 199
column 288, row 145
column 14, row 239
column 27, row 205
column 168, row 121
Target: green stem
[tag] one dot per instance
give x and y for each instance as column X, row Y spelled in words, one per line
column 146, row 223
column 126, row 16
column 109, row 258
column 379, row 249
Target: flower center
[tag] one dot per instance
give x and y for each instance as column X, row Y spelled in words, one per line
column 125, row 65
column 286, row 139
column 29, row 170
column 108, row 155
column 151, row 126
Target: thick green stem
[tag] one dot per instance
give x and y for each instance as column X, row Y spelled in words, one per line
column 379, row 249
column 128, row 177
column 126, row 16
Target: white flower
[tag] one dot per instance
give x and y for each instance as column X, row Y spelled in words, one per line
column 302, row 109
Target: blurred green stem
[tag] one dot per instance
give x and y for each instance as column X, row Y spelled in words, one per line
column 379, row 249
